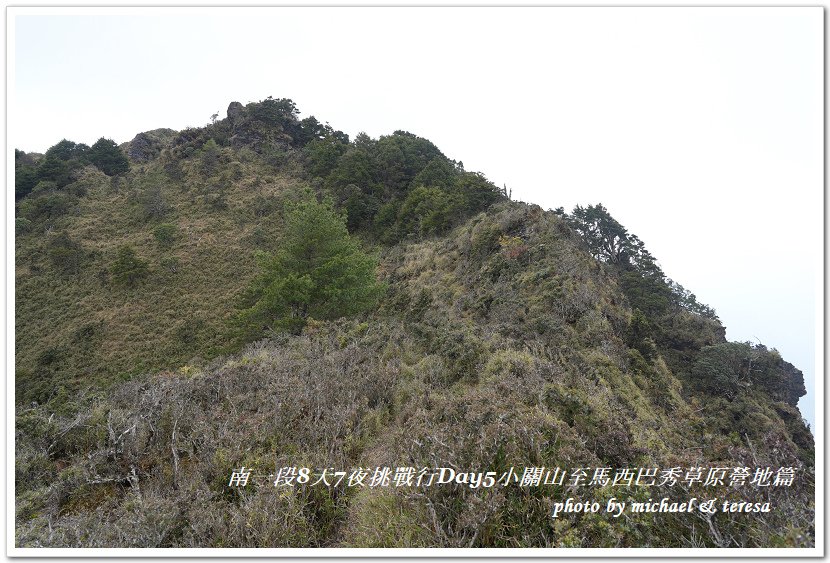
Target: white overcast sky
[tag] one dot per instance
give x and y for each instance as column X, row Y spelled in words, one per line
column 700, row 129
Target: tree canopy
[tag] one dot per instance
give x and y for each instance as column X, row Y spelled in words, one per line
column 641, row 278
column 68, row 150
column 106, row 155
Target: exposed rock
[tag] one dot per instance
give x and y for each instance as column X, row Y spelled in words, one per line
column 235, row 112
column 147, row 145
column 787, row 384
column 141, row 148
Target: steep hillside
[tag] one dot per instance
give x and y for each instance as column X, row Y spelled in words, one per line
column 195, row 212
column 506, row 337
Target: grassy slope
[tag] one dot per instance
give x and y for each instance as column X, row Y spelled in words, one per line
column 170, row 318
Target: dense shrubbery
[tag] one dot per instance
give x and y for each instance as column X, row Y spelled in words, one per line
column 397, row 185
column 62, row 160
column 127, row 437
column 732, row 367
column 157, row 453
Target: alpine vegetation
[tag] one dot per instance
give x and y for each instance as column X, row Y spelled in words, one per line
column 264, row 333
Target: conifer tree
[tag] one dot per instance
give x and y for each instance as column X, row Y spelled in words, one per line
column 319, row 272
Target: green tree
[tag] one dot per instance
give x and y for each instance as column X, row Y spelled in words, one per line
column 438, row 173
column 67, row 150
column 106, row 155
column 478, row 191
column 607, row 239
column 353, row 167
column 639, row 335
column 53, row 169
column 310, row 129
column 400, row 157
column 360, row 205
column 47, row 206
column 319, row 272
column 322, row 155
column 274, row 112
column 641, row 278
column 688, row 301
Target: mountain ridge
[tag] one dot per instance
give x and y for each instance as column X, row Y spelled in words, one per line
column 508, row 335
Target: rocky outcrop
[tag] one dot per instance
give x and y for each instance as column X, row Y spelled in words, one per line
column 148, row 145
column 235, row 113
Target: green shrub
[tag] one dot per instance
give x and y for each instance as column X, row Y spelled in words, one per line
column 322, row 155
column 25, row 178
column 166, row 234
column 639, row 335
column 128, row 269
column 44, row 187
column 462, row 351
column 55, row 170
